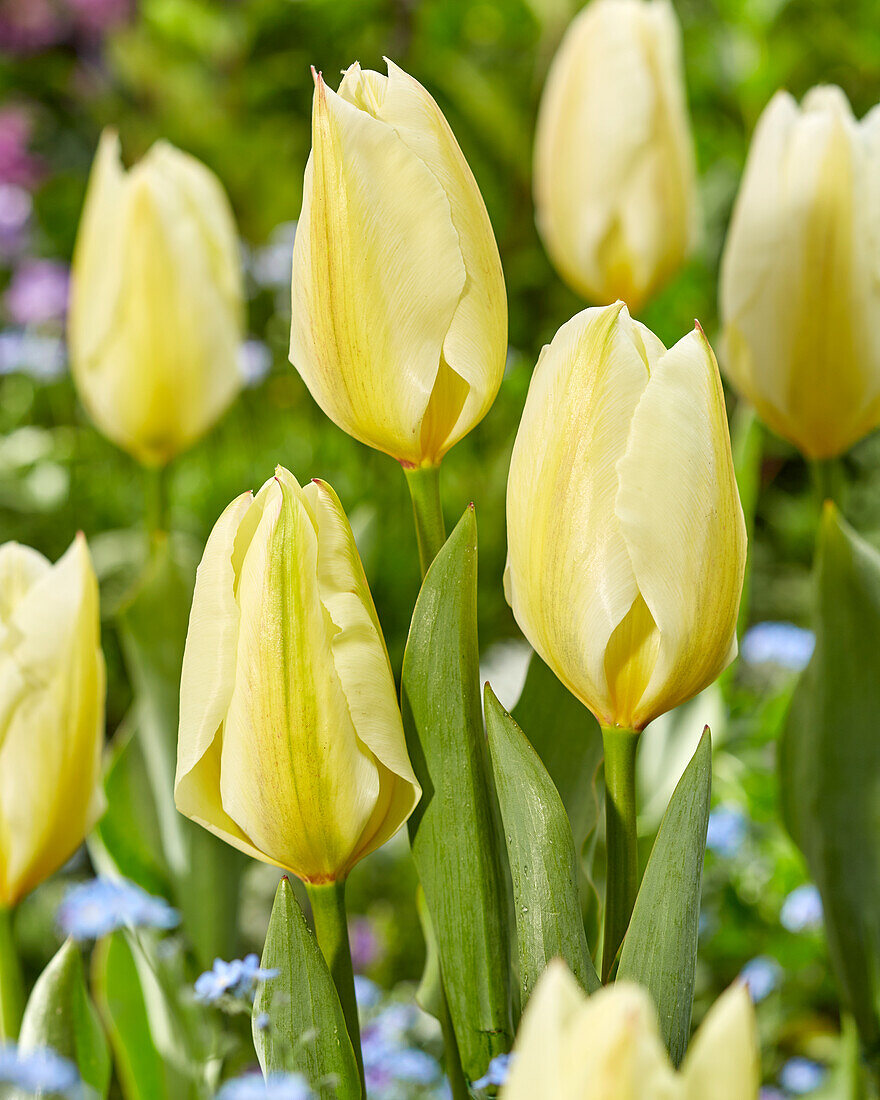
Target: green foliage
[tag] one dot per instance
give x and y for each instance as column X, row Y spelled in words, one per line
column 660, row 947
column 454, row 831
column 307, row 1031
column 541, row 854
column 830, row 763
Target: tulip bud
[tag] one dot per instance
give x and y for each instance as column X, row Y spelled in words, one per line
column 291, row 745
column 615, row 191
column 52, row 684
column 156, row 301
column 799, row 297
column 573, row 1047
column 626, row 538
column 399, row 325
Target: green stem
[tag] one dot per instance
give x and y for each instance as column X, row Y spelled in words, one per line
column 156, row 499
column 621, row 839
column 11, row 981
column 828, row 480
column 331, row 930
column 424, row 488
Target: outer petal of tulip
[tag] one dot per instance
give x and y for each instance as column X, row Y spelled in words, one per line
column 682, row 521
column 723, row 1059
column 541, row 1056
column 799, row 273
column 626, row 542
column 615, row 192
column 291, row 745
column 156, row 301
column 52, row 708
column 399, row 312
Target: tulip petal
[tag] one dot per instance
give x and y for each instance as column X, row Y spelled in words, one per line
column 362, row 664
column 682, row 521
column 50, row 760
column 569, row 578
column 723, row 1060
column 378, row 275
column 208, row 674
column 294, row 775
column 475, row 344
column 539, row 1065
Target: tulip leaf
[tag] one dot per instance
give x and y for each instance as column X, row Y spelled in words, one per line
column 540, row 851
column 830, row 764
column 126, row 841
column 568, row 740
column 152, row 629
column 142, row 1072
column 306, row 1032
column 455, row 829
column 660, row 948
column 60, row 1015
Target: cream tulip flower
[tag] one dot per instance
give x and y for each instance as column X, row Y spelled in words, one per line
column 626, row 538
column 614, row 173
column 399, row 325
column 156, row 308
column 608, row 1047
column 291, row 746
column 800, row 299
column 52, row 685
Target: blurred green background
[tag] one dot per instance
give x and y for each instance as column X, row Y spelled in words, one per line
column 230, row 82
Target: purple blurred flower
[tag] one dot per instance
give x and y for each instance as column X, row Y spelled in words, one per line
column 761, row 976
column 17, row 165
column 389, row 1057
column 96, row 908
column 801, row 1075
column 802, row 909
column 237, row 978
column 497, row 1073
column 38, row 292
column 16, row 206
column 783, row 644
column 95, row 17
column 366, row 947
column 28, row 26
column 40, row 1070
column 770, row 1093
column 727, row 831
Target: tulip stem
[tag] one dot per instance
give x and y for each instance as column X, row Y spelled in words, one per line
column 621, row 839
column 331, row 929
column 424, row 488
column 156, row 494
column 828, row 480
column 11, row 981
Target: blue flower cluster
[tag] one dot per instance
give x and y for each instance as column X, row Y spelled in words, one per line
column 761, row 976
column 38, row 1071
column 237, row 978
column 277, row 1086
column 728, row 828
column 96, row 908
column 802, row 909
column 785, row 645
column 392, row 1063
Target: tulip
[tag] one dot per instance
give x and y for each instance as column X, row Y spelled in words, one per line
column 51, row 713
column 156, row 301
column 615, row 191
column 799, row 297
column 399, row 315
column 291, row 746
column 626, row 538
column 573, row 1047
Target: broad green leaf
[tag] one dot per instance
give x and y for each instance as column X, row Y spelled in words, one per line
column 60, row 1015
column 540, row 851
column 747, row 443
column 142, row 1072
column 127, row 838
column 307, row 1030
column 660, row 948
column 568, row 740
column 830, row 765
column 205, row 872
column 455, row 829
